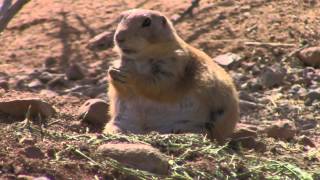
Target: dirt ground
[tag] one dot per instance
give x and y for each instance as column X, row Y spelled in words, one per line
column 60, row 31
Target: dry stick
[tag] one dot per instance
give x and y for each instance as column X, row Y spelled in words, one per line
column 194, row 4
column 269, row 44
column 294, row 52
column 10, row 13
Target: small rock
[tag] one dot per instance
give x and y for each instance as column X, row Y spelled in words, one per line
column 27, row 141
column 76, row 126
column 20, row 80
column 310, row 56
column 243, row 130
column 24, row 177
column 51, row 153
column 95, row 91
column 226, row 3
column 309, row 74
column 248, row 143
column 45, row 77
column 74, row 72
column 77, row 89
column 247, row 106
column 282, row 129
column 297, row 91
column 48, row 93
column 41, row 178
column 272, row 76
column 227, row 59
column 175, row 17
column 308, row 124
column 256, row 70
column 102, row 96
column 313, row 95
column 4, row 84
column 238, row 78
column 246, row 96
column 94, row 112
column 253, row 85
column 20, row 107
column 101, row 41
column 49, row 62
column 304, row 140
column 34, row 84
column 33, row 152
column 2, row 92
column 58, row 81
column 138, row 156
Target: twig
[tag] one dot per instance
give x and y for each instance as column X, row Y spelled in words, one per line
column 5, row 6
column 10, row 13
column 54, row 122
column 188, row 11
column 269, row 44
column 294, row 52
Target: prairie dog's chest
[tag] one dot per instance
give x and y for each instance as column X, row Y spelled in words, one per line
column 141, row 109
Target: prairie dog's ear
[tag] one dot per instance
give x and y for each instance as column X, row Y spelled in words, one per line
column 163, row 20
column 123, row 15
column 126, row 13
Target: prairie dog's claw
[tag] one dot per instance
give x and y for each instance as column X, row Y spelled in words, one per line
column 117, row 75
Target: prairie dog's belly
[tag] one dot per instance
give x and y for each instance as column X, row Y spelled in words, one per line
column 140, row 115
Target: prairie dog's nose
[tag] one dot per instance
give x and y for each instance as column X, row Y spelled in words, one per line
column 119, row 37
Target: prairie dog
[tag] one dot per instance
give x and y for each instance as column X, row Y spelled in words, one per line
column 161, row 83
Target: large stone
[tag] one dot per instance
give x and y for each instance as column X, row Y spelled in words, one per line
column 20, row 107
column 138, row 156
column 282, row 129
column 310, row 56
column 94, row 112
column 272, row 76
column 74, row 72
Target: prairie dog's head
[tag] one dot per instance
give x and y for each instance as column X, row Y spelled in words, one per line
column 142, row 30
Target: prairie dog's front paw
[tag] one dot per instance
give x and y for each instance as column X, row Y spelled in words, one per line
column 118, row 75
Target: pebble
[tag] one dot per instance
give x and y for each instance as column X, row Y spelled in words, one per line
column 310, row 56
column 33, row 152
column 272, row 76
column 74, row 72
column 227, row 59
column 313, row 95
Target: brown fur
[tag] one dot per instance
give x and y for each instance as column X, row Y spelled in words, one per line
column 165, row 71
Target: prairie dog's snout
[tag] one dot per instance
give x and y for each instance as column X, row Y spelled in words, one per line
column 120, row 37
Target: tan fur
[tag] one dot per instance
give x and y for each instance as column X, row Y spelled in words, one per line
column 163, row 84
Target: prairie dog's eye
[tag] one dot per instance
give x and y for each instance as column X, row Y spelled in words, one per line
column 146, row 22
